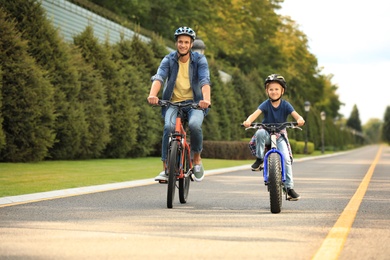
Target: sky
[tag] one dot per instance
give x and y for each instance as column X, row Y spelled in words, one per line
column 351, row 40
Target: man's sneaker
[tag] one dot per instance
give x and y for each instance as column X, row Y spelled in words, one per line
column 258, row 165
column 162, row 177
column 198, row 172
column 292, row 195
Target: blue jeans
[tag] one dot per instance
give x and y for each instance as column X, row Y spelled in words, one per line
column 262, row 139
column 195, row 120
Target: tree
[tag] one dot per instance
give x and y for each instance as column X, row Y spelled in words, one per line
column 2, row 134
column 52, row 54
column 121, row 108
column 354, row 120
column 386, row 126
column 27, row 99
column 137, row 64
column 93, row 100
column 372, row 129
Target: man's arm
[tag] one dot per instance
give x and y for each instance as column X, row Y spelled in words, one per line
column 154, row 90
column 206, row 102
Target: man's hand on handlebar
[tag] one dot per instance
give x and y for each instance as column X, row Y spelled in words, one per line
column 204, row 104
column 153, row 100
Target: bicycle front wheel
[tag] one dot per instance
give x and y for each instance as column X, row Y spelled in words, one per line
column 184, row 183
column 275, row 182
column 173, row 164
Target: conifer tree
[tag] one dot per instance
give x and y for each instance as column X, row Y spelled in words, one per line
column 52, row 54
column 93, row 100
column 354, row 120
column 386, row 126
column 27, row 99
column 2, row 135
column 137, row 65
column 121, row 109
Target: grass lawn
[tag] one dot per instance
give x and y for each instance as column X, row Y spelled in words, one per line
column 25, row 178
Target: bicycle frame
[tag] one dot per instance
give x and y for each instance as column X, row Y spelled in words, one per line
column 180, row 136
column 273, row 128
column 179, row 163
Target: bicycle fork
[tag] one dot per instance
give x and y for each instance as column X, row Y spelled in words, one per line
column 273, row 150
column 265, row 171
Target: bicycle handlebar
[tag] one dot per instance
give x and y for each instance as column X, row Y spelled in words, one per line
column 165, row 103
column 273, row 126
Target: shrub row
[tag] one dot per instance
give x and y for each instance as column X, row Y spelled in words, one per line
column 239, row 150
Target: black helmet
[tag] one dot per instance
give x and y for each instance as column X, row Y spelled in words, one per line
column 277, row 78
column 185, row 31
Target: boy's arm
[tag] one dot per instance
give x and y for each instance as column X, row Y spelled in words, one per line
column 252, row 118
column 298, row 118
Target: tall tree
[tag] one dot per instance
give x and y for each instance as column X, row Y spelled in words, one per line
column 354, row 120
column 2, row 134
column 386, row 126
column 52, row 54
column 27, row 99
column 137, row 64
column 373, row 130
column 121, row 109
column 93, row 100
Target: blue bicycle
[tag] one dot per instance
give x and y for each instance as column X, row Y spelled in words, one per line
column 274, row 172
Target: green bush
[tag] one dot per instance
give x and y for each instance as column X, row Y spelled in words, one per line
column 233, row 150
column 239, row 150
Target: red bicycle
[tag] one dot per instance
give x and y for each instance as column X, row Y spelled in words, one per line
column 179, row 163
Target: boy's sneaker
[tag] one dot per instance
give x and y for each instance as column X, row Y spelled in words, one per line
column 258, row 165
column 162, row 177
column 198, row 172
column 292, row 195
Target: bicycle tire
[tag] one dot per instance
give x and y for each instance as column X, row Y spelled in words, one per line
column 173, row 167
column 184, row 183
column 275, row 182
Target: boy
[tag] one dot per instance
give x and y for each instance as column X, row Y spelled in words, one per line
column 275, row 110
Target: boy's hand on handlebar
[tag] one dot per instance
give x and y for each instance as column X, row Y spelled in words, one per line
column 300, row 121
column 153, row 100
column 246, row 123
column 204, row 104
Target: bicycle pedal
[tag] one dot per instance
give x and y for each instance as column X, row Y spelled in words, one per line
column 162, row 182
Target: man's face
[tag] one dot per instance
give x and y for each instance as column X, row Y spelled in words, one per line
column 183, row 44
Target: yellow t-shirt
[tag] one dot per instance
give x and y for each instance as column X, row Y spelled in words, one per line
column 182, row 90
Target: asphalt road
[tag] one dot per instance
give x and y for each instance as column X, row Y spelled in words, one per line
column 343, row 214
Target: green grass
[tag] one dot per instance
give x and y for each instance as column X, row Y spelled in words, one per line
column 26, row 178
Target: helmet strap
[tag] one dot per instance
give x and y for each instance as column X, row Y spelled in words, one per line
column 275, row 100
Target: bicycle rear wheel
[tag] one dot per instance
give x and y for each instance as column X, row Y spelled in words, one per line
column 173, row 168
column 184, row 183
column 275, row 182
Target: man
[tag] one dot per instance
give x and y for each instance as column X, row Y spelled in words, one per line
column 186, row 78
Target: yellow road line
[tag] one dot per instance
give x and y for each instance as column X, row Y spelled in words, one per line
column 334, row 242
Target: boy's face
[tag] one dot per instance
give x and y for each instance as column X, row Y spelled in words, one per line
column 274, row 90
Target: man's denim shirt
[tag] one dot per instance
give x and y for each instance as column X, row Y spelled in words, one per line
column 198, row 72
